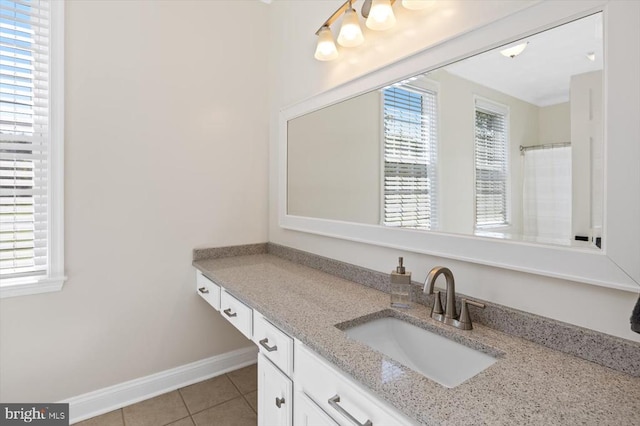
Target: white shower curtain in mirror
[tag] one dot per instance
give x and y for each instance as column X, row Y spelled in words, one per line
column 547, row 194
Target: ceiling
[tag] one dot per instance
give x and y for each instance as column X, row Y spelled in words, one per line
column 541, row 73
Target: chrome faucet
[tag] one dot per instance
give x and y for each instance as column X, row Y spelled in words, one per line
column 449, row 316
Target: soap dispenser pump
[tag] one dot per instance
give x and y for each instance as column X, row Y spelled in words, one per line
column 400, row 286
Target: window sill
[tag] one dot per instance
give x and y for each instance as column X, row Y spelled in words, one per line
column 24, row 287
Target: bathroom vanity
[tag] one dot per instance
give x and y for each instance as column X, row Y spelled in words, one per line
column 312, row 373
column 318, row 374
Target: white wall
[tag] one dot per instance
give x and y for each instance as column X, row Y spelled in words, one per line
column 166, row 147
column 587, row 148
column 297, row 76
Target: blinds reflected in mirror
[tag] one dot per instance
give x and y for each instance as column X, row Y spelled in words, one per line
column 491, row 164
column 410, row 150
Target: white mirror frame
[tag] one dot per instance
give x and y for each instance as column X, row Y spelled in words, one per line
column 617, row 265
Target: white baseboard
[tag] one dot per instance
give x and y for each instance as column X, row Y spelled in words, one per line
column 111, row 398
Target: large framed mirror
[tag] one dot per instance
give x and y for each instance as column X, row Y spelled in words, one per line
column 496, row 147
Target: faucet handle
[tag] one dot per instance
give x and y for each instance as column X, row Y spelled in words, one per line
column 465, row 319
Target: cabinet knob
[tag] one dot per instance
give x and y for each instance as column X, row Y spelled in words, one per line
column 203, row 290
column 229, row 313
column 279, row 402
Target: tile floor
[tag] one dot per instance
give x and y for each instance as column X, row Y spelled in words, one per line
column 227, row 400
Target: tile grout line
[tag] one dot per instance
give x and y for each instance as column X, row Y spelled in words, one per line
column 218, row 404
column 241, row 394
column 248, row 403
column 183, row 401
column 122, row 415
column 185, row 406
column 233, row 383
column 250, row 406
column 214, row 406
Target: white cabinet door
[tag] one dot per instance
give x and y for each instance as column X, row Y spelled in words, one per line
column 307, row 413
column 275, row 395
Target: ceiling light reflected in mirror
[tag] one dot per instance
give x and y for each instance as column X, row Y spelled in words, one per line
column 513, row 51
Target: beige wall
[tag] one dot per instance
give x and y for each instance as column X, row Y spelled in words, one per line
column 334, row 170
column 456, row 150
column 554, row 124
column 297, row 76
column 166, row 147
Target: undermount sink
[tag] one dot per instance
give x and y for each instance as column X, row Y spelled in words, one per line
column 436, row 357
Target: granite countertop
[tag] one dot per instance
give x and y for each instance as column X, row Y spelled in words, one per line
column 529, row 384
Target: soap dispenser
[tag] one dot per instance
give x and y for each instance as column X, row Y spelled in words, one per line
column 400, row 287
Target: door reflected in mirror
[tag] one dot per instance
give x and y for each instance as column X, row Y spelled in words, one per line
column 505, row 144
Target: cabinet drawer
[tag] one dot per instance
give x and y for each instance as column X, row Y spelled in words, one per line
column 273, row 343
column 307, row 413
column 275, row 395
column 237, row 313
column 208, row 290
column 343, row 399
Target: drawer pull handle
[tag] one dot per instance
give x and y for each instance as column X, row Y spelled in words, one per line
column 229, row 314
column 334, row 403
column 279, row 402
column 203, row 290
column 264, row 342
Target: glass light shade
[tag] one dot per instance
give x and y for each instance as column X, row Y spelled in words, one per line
column 514, row 51
column 416, row 4
column 326, row 49
column 350, row 32
column 381, row 16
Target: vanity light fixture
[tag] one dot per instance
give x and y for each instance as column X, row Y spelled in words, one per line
column 513, row 51
column 350, row 31
column 326, row 49
column 378, row 14
column 591, row 56
column 381, row 15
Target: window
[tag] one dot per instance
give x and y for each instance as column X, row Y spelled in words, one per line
column 491, row 163
column 31, row 132
column 410, row 147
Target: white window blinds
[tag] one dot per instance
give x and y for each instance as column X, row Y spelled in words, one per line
column 491, row 163
column 24, row 138
column 410, row 147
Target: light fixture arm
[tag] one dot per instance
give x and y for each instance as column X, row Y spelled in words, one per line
column 366, row 8
column 338, row 13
